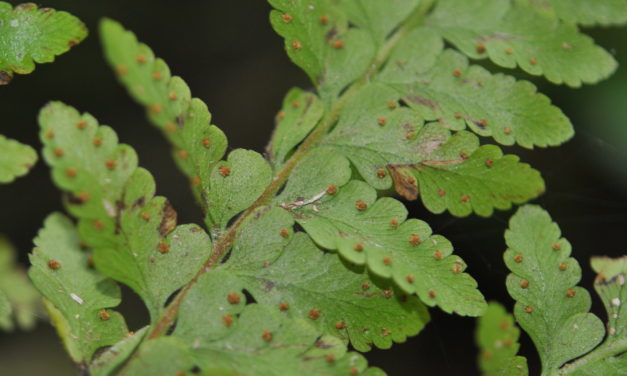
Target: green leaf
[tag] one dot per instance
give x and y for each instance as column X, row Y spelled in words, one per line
column 486, row 180
column 414, row 54
column 273, row 265
column 16, row 159
column 458, row 95
column 108, row 361
column 319, row 40
column 338, row 299
column 389, row 145
column 6, row 311
column 19, row 301
column 185, row 122
column 236, row 184
column 133, row 233
column 512, row 34
column 370, row 146
column 609, row 366
column 379, row 18
column 164, row 356
column 367, row 231
column 29, row 35
column 610, row 357
column 610, row 285
column 319, row 170
column 253, row 339
column 497, row 337
column 549, row 307
column 300, row 113
column 585, row 12
column 76, row 298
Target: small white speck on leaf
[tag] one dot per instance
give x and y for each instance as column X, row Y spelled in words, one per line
column 76, row 298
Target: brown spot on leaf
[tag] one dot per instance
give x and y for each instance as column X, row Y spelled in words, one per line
column 331, row 34
column 168, row 221
column 400, row 175
column 314, row 314
column 266, row 335
column 104, row 315
column 224, row 171
column 563, row 266
column 233, row 298
column 414, row 239
column 227, row 320
column 139, row 202
column 163, row 248
column 5, row 78
column 74, row 199
column 360, row 205
column 338, row 44
column 423, row 101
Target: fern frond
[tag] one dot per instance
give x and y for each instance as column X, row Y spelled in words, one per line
column 133, row 233
column 30, row 35
column 16, row 159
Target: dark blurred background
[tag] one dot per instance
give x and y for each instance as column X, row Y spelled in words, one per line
column 232, row 59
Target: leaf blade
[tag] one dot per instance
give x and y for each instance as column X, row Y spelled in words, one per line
column 133, row 232
column 16, row 159
column 77, row 299
column 339, row 300
column 19, row 300
column 497, row 337
column 376, row 233
column 29, row 35
column 548, row 306
column 517, row 35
